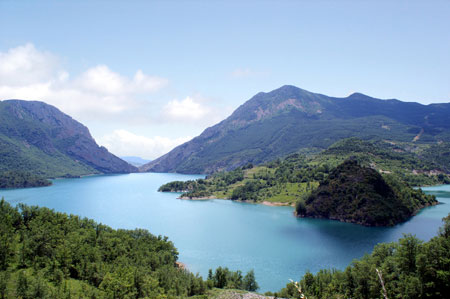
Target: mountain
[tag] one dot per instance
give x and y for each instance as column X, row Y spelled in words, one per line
column 135, row 161
column 356, row 194
column 289, row 119
column 38, row 138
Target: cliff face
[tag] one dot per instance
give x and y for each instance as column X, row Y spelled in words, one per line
column 40, row 138
column 288, row 119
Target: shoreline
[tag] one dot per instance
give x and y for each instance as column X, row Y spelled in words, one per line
column 264, row 202
column 278, row 204
column 201, row 198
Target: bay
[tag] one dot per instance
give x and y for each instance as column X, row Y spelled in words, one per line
column 214, row 233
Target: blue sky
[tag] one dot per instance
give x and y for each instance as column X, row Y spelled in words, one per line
column 145, row 76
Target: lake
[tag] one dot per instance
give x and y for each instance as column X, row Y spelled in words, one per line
column 214, row 233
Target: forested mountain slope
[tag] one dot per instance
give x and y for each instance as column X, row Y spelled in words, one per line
column 38, row 138
column 289, row 119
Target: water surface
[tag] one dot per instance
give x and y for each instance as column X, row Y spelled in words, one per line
column 216, row 233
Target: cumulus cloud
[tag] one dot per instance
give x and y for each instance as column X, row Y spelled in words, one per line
column 102, row 80
column 187, row 109
column 26, row 65
column 28, row 73
column 145, row 83
column 125, row 143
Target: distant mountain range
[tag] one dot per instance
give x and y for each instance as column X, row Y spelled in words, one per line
column 290, row 119
column 135, row 161
column 38, row 138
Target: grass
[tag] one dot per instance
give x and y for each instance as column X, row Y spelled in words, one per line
column 288, row 192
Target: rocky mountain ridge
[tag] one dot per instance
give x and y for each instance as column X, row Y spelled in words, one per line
column 39, row 138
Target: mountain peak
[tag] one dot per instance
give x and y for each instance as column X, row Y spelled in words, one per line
column 283, row 99
column 358, row 95
column 290, row 89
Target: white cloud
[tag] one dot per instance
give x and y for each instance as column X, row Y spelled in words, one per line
column 102, row 80
column 125, row 143
column 98, row 92
column 187, row 109
column 143, row 82
column 26, row 65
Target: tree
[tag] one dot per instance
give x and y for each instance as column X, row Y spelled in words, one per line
column 249, row 282
column 23, row 286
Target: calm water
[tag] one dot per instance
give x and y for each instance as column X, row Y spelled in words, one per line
column 216, row 233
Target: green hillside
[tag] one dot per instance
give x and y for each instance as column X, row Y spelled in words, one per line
column 361, row 195
column 415, row 164
column 287, row 180
column 15, row 156
column 286, row 120
column 39, row 139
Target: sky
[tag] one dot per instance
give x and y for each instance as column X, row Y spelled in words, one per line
column 146, row 76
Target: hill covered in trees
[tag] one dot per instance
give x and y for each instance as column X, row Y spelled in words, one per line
column 274, row 124
column 356, row 194
column 45, row 254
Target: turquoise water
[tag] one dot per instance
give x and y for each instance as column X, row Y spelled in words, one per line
column 216, row 233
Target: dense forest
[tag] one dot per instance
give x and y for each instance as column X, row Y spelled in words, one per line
column 352, row 193
column 21, row 179
column 405, row 269
column 45, row 254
